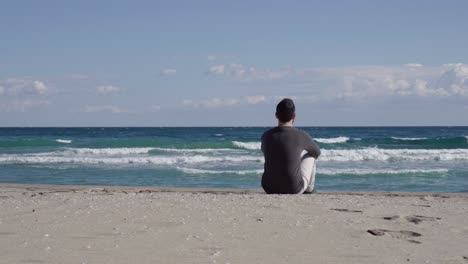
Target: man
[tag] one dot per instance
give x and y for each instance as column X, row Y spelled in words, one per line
column 290, row 155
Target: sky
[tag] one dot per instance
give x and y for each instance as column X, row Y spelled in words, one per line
column 228, row 63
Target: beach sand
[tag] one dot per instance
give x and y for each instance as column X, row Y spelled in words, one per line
column 88, row 224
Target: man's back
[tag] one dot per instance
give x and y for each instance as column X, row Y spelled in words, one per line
column 282, row 148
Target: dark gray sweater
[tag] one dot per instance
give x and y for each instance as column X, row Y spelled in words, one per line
column 282, row 148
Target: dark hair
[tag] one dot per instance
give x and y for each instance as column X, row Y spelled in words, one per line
column 285, row 110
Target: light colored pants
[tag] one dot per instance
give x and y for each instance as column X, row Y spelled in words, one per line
column 308, row 172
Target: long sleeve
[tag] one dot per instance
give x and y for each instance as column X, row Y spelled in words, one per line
column 311, row 147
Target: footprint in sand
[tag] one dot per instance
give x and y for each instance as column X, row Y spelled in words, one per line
column 346, row 210
column 421, row 205
column 415, row 219
column 400, row 234
column 391, row 217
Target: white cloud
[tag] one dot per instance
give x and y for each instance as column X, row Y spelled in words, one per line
column 24, row 94
column 154, row 108
column 231, row 102
column 104, row 109
column 216, row 102
column 188, row 102
column 247, row 100
column 256, row 99
column 358, row 82
column 23, row 105
column 237, row 70
column 414, row 65
column 234, row 70
column 167, row 72
column 219, row 69
column 40, row 87
column 281, row 97
column 211, row 103
column 455, row 79
column 21, row 87
column 107, row 89
column 217, row 57
column 370, row 81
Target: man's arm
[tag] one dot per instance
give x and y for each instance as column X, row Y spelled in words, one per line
column 311, row 147
column 262, row 147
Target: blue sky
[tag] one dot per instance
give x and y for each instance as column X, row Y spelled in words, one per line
column 227, row 63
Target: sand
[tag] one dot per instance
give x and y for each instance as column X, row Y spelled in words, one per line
column 92, row 224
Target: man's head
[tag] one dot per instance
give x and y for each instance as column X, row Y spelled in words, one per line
column 285, row 110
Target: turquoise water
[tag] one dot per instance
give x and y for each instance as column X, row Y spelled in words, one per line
column 353, row 158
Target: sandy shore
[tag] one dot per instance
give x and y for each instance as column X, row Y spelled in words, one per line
column 83, row 224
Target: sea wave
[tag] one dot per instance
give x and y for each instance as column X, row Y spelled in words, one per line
column 202, row 150
column 26, row 142
column 321, row 171
column 332, row 140
column 377, row 154
column 200, row 171
column 403, row 138
column 379, row 171
column 108, row 151
column 161, row 160
column 247, row 145
column 64, row 141
column 146, row 155
column 423, row 142
column 133, row 151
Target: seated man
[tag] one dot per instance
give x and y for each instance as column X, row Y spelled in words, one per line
column 290, row 155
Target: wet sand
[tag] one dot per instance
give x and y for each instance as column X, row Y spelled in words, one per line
column 100, row 224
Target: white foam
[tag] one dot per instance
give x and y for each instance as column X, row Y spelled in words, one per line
column 378, row 171
column 238, row 172
column 326, row 171
column 332, row 140
column 131, row 151
column 208, row 150
column 247, row 145
column 109, row 151
column 158, row 160
column 399, row 138
column 136, row 151
column 64, row 141
column 376, row 154
column 142, row 155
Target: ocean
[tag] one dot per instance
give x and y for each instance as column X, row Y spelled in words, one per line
column 406, row 159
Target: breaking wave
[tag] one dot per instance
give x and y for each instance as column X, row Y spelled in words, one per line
column 171, row 156
column 378, row 171
column 108, row 151
column 200, row 171
column 320, row 171
column 157, row 160
column 400, row 138
column 332, row 140
column 247, row 145
column 64, row 141
column 376, row 154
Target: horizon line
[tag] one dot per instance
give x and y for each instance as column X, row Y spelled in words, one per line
column 319, row 126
